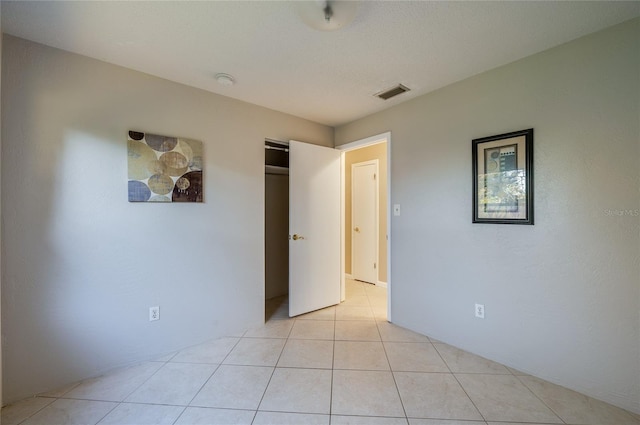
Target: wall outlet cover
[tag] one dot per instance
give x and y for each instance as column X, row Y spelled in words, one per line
column 154, row 313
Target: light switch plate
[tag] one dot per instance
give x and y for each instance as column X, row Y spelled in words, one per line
column 396, row 209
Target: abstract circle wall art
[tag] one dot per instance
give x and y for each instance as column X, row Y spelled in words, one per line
column 164, row 169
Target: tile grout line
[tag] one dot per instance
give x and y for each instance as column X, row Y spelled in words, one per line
column 205, row 383
column 107, row 414
column 255, row 412
column 118, row 403
column 107, row 374
column 458, row 381
column 273, row 371
column 209, row 378
column 184, row 408
column 333, row 363
column 393, row 376
column 145, row 381
column 541, row 400
column 34, row 413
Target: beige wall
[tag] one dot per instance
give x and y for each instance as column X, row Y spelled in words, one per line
column 562, row 297
column 368, row 153
column 81, row 265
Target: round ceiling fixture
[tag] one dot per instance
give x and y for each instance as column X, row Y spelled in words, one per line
column 326, row 15
column 225, row 79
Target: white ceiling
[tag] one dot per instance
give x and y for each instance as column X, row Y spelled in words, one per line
column 280, row 63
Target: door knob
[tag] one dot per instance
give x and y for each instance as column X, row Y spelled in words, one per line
column 357, row 229
column 296, row 237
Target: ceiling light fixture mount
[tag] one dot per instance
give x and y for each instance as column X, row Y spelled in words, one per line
column 328, row 12
column 326, row 15
column 225, row 79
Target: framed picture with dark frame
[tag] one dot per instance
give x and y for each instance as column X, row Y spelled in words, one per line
column 503, row 178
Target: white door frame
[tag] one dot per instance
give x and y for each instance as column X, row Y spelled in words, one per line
column 375, row 163
column 373, row 140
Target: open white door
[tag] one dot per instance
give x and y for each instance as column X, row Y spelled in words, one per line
column 314, row 227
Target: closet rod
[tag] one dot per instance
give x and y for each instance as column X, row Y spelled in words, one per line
column 276, row 148
column 274, row 169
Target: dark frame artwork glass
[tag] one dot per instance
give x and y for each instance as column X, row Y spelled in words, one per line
column 503, row 178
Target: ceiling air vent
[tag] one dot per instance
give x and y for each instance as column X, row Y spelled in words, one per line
column 393, row 91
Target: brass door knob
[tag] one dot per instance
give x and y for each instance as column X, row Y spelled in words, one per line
column 357, row 229
column 296, row 237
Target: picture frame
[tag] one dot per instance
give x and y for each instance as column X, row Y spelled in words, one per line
column 503, row 178
column 164, row 169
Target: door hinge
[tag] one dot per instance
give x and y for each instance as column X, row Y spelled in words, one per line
column 374, row 265
column 374, row 176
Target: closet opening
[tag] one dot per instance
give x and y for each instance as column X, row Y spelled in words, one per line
column 276, row 223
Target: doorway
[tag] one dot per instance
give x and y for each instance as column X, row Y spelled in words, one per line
column 372, row 150
column 276, row 220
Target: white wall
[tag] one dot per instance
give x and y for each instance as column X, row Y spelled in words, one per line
column 82, row 265
column 562, row 297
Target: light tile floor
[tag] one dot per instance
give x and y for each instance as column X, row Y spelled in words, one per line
column 340, row 365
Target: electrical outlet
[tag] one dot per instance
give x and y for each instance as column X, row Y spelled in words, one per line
column 154, row 313
column 480, row 311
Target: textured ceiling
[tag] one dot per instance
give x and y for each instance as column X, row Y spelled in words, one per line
column 280, row 63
